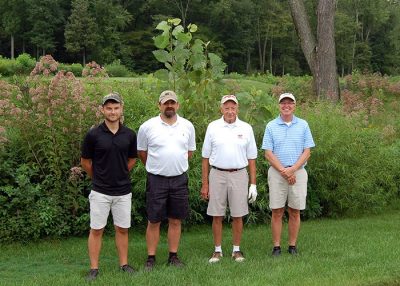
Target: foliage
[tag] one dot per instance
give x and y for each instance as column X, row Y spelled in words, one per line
column 93, row 69
column 116, row 69
column 76, row 69
column 44, row 121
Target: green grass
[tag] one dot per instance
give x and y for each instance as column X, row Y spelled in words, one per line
column 357, row 251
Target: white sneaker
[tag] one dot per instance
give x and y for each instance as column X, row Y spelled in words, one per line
column 216, row 257
column 237, row 256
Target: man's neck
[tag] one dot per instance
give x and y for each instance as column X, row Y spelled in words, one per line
column 287, row 118
column 112, row 126
column 169, row 120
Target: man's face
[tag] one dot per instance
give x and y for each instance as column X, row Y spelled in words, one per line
column 287, row 107
column 229, row 110
column 169, row 108
column 112, row 111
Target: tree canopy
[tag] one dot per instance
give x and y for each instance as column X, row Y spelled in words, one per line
column 250, row 35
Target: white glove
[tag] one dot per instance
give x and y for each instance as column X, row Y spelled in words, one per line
column 252, row 193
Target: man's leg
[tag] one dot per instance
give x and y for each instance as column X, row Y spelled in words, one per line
column 94, row 247
column 294, row 225
column 217, row 230
column 121, row 242
column 174, row 234
column 152, row 237
column 237, row 229
column 276, row 225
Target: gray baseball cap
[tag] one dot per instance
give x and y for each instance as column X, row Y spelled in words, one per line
column 114, row 96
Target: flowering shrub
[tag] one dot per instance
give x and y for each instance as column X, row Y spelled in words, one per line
column 46, row 66
column 93, row 69
column 42, row 125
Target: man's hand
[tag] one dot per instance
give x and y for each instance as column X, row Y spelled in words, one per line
column 287, row 172
column 292, row 180
column 204, row 192
column 252, row 193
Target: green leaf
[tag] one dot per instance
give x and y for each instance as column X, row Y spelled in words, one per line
column 162, row 56
column 161, row 41
column 162, row 74
column 177, row 30
column 192, row 28
column 163, row 26
column 184, row 38
column 175, row 21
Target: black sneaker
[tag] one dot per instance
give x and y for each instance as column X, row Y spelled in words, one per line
column 292, row 250
column 92, row 275
column 149, row 265
column 174, row 261
column 127, row 268
column 276, row 251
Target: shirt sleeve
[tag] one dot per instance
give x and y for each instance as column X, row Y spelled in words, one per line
column 267, row 139
column 206, row 150
column 142, row 142
column 87, row 150
column 252, row 146
column 308, row 139
column 133, row 147
column 192, row 138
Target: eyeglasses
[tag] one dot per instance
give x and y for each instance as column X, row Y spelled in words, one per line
column 287, row 103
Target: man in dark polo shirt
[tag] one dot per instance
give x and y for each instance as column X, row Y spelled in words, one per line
column 108, row 154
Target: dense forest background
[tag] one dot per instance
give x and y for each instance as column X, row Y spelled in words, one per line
column 250, row 35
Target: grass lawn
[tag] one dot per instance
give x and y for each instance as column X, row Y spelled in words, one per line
column 358, row 251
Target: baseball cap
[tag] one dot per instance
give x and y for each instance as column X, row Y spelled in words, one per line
column 286, row 95
column 225, row 98
column 167, row 95
column 114, row 96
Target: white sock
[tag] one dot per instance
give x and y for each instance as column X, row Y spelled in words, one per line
column 218, row 248
column 236, row 248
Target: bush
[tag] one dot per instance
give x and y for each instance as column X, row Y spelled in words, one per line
column 116, row 69
column 76, row 69
column 26, row 63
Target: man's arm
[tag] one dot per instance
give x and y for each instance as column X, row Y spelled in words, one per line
column 87, row 166
column 142, row 156
column 190, row 154
column 274, row 162
column 252, row 171
column 288, row 172
column 131, row 163
column 204, row 178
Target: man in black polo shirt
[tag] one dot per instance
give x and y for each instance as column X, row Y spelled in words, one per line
column 108, row 154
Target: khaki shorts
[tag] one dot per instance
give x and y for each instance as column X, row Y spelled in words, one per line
column 281, row 192
column 228, row 187
column 100, row 206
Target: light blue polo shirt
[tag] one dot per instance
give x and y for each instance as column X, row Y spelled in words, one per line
column 287, row 142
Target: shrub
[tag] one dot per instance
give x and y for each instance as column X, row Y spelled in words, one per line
column 26, row 63
column 76, row 69
column 93, row 69
column 116, row 69
column 44, row 121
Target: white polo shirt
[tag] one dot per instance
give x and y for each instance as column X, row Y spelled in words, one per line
column 167, row 146
column 229, row 146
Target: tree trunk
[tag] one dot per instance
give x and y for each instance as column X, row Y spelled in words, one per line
column 321, row 53
column 12, row 47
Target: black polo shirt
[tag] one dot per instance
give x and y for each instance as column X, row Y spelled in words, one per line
column 109, row 154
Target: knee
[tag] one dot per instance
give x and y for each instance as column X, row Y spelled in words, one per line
column 294, row 214
column 121, row 230
column 174, row 222
column 96, row 232
column 278, row 213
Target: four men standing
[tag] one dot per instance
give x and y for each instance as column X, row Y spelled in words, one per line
column 164, row 145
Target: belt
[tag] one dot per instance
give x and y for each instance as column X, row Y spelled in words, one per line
column 227, row 170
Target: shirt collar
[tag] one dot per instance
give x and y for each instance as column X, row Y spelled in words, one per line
column 226, row 124
column 178, row 119
column 280, row 121
column 104, row 127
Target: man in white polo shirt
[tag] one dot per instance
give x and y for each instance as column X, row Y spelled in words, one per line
column 165, row 143
column 229, row 148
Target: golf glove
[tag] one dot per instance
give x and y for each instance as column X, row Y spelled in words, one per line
column 252, row 193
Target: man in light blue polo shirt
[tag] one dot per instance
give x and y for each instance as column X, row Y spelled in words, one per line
column 287, row 142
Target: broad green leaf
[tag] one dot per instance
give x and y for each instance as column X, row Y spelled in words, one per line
column 162, row 56
column 175, row 21
column 161, row 41
column 163, row 26
column 192, row 28
column 184, row 37
column 162, row 74
column 177, row 30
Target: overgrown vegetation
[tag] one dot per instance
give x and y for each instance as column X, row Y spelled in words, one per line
column 352, row 170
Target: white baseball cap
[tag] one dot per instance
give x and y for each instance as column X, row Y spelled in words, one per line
column 228, row 97
column 286, row 95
